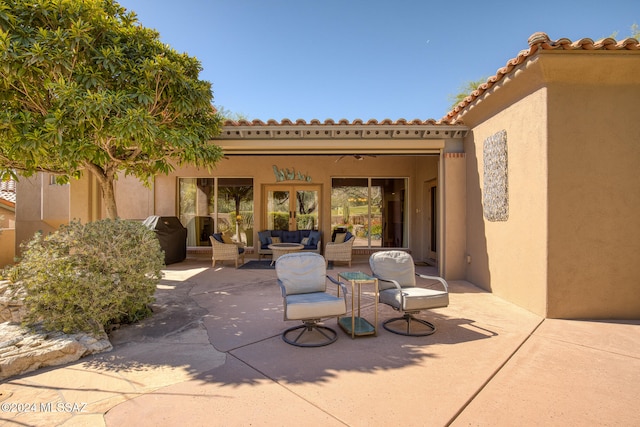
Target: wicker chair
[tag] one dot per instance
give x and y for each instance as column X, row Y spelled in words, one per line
column 225, row 252
column 339, row 251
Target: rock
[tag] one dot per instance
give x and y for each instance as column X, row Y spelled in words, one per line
column 23, row 350
column 11, row 305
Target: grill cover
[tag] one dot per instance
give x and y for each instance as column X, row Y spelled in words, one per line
column 172, row 236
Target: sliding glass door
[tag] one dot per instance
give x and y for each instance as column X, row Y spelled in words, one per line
column 373, row 209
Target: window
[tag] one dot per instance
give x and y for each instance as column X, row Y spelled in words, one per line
column 221, row 204
column 373, row 209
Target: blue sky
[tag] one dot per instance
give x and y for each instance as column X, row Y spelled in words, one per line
column 359, row 59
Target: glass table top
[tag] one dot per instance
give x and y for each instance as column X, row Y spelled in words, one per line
column 355, row 275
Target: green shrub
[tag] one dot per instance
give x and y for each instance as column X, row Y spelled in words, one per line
column 87, row 277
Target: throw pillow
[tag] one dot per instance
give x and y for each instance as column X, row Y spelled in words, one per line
column 265, row 237
column 314, row 237
column 227, row 239
column 275, row 240
column 340, row 237
column 304, row 241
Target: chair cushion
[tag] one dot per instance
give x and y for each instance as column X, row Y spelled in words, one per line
column 415, row 298
column 218, row 237
column 291, row 237
column 396, row 265
column 314, row 306
column 302, row 272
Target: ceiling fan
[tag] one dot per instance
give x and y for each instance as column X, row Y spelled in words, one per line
column 355, row 156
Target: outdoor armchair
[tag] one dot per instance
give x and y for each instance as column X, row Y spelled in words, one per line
column 339, row 251
column 221, row 251
column 398, row 288
column 303, row 281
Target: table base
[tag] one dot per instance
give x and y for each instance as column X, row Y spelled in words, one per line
column 362, row 326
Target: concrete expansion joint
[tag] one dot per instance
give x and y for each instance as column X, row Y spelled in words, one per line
column 492, row 376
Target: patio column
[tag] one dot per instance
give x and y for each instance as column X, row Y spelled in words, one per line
column 453, row 228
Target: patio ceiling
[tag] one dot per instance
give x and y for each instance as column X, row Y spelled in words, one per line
column 387, row 137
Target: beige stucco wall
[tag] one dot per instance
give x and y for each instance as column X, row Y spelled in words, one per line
column 509, row 257
column 570, row 246
column 594, row 194
column 7, row 246
column 133, row 198
column 40, row 207
column 453, row 228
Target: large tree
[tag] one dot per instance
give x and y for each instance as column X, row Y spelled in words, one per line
column 84, row 87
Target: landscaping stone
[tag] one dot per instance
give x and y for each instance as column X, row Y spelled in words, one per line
column 24, row 350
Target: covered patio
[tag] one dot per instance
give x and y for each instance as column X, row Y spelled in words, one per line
column 212, row 355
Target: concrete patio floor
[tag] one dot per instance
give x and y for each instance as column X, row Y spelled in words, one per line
column 212, row 355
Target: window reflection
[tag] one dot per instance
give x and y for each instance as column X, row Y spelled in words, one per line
column 231, row 212
column 373, row 209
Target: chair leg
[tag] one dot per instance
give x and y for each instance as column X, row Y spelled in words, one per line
column 328, row 335
column 407, row 321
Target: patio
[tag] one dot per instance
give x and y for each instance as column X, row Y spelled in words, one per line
column 212, row 355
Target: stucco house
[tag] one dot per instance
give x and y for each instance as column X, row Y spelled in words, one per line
column 7, row 221
column 528, row 188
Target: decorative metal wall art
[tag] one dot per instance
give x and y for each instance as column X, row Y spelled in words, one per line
column 495, row 195
column 289, row 175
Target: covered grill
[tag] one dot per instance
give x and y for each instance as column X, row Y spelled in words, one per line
column 172, row 236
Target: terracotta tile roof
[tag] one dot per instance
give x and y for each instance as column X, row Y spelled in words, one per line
column 8, row 193
column 330, row 122
column 342, row 129
column 540, row 42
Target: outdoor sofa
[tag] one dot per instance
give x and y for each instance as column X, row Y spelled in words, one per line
column 310, row 239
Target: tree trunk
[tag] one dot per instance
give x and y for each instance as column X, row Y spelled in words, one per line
column 105, row 179
column 109, row 198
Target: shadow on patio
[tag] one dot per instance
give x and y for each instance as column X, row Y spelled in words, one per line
column 212, row 355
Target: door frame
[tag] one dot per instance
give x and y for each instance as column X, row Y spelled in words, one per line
column 292, row 187
column 431, row 220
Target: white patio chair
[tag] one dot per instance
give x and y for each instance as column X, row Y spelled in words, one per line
column 397, row 285
column 303, row 281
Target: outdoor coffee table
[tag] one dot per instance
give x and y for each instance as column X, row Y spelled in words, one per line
column 280, row 249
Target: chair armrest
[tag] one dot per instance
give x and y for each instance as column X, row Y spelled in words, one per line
column 394, row 282
column 346, row 243
column 439, row 279
column 282, row 288
column 340, row 284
